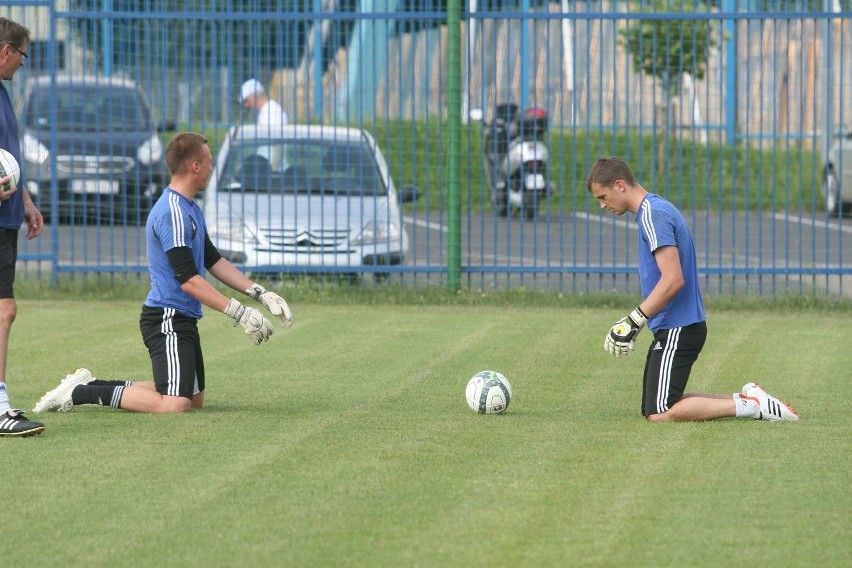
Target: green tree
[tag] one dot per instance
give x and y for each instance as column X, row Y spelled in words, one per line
column 668, row 46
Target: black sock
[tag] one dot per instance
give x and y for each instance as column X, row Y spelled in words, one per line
column 112, row 383
column 104, row 395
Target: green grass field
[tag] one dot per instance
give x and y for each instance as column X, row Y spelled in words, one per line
column 346, row 441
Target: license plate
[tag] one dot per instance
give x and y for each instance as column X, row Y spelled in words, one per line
column 94, row 186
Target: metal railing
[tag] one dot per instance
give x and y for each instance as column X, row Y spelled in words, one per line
column 740, row 145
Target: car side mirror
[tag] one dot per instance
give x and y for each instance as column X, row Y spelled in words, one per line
column 407, row 194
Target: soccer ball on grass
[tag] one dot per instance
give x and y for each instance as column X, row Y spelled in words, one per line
column 488, row 392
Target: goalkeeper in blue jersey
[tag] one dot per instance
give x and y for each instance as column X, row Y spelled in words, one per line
column 671, row 308
column 179, row 252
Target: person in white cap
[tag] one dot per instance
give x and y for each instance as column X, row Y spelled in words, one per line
column 269, row 112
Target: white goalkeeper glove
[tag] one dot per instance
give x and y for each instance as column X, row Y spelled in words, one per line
column 272, row 302
column 622, row 337
column 257, row 327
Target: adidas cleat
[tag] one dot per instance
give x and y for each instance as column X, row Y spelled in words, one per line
column 770, row 407
column 59, row 399
column 14, row 423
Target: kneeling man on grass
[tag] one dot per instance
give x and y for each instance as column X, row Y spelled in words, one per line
column 179, row 251
column 672, row 308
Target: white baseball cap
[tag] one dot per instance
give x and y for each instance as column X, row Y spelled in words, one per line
column 249, row 88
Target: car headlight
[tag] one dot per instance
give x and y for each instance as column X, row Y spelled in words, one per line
column 33, row 151
column 377, row 232
column 150, row 151
column 233, row 229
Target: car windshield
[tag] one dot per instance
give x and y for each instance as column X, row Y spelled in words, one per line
column 89, row 109
column 302, row 166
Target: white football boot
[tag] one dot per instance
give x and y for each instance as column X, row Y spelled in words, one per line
column 59, row 399
column 770, row 407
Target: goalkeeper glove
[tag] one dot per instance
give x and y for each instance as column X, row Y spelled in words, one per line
column 257, row 327
column 272, row 302
column 622, row 337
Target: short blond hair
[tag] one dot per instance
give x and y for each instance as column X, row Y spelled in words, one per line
column 184, row 149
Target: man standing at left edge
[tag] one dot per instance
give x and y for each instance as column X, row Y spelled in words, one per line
column 16, row 208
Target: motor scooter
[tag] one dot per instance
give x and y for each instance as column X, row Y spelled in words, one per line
column 515, row 155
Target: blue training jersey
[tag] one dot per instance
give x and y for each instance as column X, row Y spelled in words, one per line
column 662, row 224
column 174, row 221
column 11, row 210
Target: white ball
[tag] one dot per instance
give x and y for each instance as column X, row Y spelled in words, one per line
column 488, row 392
column 9, row 166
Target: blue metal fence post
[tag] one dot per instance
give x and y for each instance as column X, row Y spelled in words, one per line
column 318, row 62
column 829, row 76
column 525, row 56
column 454, row 144
column 106, row 37
column 730, row 91
column 53, row 53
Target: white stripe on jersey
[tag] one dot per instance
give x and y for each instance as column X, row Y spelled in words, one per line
column 177, row 220
column 665, row 378
column 648, row 225
column 172, row 359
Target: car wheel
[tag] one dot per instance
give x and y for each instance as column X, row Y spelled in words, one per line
column 830, row 190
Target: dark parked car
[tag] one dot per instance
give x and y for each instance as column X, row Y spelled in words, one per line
column 109, row 162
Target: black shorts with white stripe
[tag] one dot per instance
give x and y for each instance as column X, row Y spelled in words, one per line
column 175, row 348
column 667, row 367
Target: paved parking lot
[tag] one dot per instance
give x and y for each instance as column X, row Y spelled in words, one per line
column 580, row 252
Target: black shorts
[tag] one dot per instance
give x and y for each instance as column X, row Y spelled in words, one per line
column 175, row 348
column 8, row 259
column 667, row 367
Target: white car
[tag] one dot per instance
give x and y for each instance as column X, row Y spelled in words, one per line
column 837, row 176
column 307, row 199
